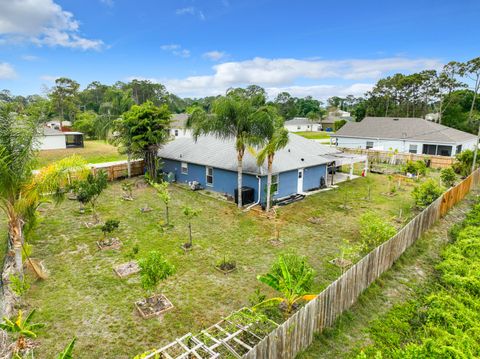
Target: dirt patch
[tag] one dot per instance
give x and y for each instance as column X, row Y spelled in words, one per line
column 126, row 269
column 315, row 220
column 153, row 306
column 109, row 243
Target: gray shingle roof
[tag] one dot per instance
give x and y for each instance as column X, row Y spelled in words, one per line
column 47, row 131
column 403, row 128
column 220, row 153
column 299, row 121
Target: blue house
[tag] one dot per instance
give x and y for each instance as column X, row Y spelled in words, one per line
column 300, row 167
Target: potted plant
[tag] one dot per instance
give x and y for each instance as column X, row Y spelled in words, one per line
column 153, row 268
column 189, row 213
column 108, row 242
column 226, row 265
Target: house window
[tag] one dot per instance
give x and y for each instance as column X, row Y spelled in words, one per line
column 459, row 149
column 209, row 175
column 429, row 149
column 299, row 128
column 274, row 187
column 176, row 133
column 412, row 149
column 184, row 168
column 369, row 145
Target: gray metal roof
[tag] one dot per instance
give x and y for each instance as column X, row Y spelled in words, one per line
column 178, row 120
column 403, row 128
column 300, row 121
column 47, row 131
column 220, row 153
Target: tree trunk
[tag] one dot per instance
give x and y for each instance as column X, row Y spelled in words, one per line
column 269, row 182
column 15, row 231
column 167, row 216
column 129, row 165
column 240, row 154
column 477, row 84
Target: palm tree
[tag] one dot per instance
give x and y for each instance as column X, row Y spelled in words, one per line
column 277, row 138
column 292, row 276
column 236, row 115
column 21, row 191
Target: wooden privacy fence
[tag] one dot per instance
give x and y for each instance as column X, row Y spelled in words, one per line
column 297, row 333
column 401, row 158
column 119, row 169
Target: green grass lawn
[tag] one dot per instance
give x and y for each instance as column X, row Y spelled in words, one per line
column 93, row 152
column 320, row 135
column 83, row 298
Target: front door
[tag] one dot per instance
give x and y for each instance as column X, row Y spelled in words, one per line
column 300, row 181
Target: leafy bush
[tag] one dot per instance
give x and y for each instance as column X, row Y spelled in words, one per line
column 416, row 168
column 109, row 226
column 426, row 193
column 374, row 230
column 464, row 162
column 18, row 285
column 154, row 268
column 88, row 190
column 448, row 176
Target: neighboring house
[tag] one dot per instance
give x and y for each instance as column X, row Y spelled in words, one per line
column 178, row 125
column 435, row 117
column 300, row 124
column 51, row 139
column 339, row 113
column 300, row 167
column 414, row 135
column 55, row 124
column 328, row 123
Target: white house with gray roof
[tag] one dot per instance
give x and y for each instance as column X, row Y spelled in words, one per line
column 413, row 135
column 52, row 139
column 178, row 125
column 301, row 124
column 300, row 167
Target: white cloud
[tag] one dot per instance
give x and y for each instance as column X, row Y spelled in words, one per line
column 186, row 10
column 190, row 10
column 322, row 91
column 30, row 58
column 278, row 74
column 42, row 22
column 215, row 55
column 176, row 50
column 7, row 72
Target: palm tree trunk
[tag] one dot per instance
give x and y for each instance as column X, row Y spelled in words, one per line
column 269, row 182
column 15, row 232
column 129, row 165
column 240, row 154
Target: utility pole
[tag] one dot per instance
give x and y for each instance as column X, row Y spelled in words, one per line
column 476, row 150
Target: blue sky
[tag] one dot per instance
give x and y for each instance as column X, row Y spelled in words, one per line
column 198, row 48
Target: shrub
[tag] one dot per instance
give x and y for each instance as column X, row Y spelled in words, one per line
column 448, row 177
column 416, row 168
column 18, row 285
column 464, row 162
column 110, row 226
column 154, row 268
column 374, row 230
column 426, row 193
column 88, row 190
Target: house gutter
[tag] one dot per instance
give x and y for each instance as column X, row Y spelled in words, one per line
column 259, row 194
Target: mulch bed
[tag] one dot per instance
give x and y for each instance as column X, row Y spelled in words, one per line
column 153, row 306
column 126, row 269
column 109, row 243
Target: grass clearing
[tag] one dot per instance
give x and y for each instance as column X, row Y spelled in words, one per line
column 315, row 135
column 84, row 298
column 94, row 152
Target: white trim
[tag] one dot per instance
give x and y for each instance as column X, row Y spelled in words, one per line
column 184, row 168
